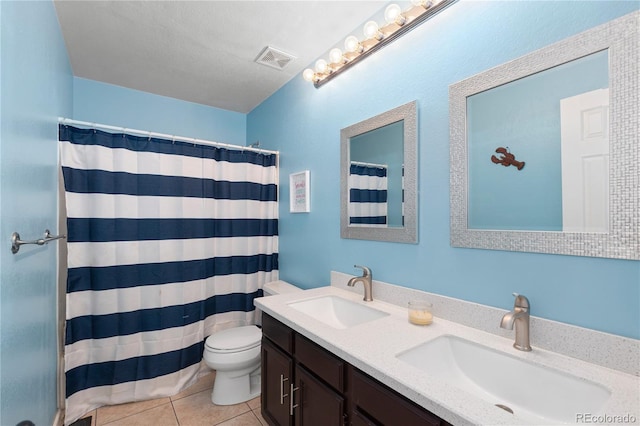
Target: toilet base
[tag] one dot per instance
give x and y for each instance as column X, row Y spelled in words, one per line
column 229, row 388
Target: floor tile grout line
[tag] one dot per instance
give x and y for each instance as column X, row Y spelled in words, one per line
column 132, row 414
column 241, row 414
column 174, row 411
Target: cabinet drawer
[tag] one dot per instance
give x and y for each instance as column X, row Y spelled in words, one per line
column 385, row 405
column 278, row 333
column 321, row 362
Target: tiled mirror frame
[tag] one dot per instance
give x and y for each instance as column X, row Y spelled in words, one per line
column 621, row 38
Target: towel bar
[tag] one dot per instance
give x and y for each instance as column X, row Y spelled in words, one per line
column 16, row 242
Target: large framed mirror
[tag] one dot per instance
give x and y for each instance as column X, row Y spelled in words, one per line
column 545, row 149
column 379, row 177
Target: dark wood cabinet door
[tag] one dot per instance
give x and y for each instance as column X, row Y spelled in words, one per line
column 277, row 376
column 384, row 405
column 360, row 419
column 317, row 404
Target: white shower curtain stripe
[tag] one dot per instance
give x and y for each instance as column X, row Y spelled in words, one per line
column 134, row 252
column 120, row 394
column 153, row 342
column 130, row 206
column 148, row 297
column 96, row 157
column 168, row 242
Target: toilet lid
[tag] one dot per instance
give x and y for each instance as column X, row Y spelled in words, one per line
column 235, row 339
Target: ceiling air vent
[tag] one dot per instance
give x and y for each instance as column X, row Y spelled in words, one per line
column 274, row 58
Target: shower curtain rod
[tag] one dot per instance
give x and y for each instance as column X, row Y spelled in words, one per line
column 362, row 163
column 63, row 120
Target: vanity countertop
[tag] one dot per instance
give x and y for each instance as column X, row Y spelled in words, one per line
column 372, row 347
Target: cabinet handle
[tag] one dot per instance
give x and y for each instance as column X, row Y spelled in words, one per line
column 291, row 406
column 282, row 394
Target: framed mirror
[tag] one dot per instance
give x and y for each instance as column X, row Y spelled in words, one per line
column 545, row 152
column 378, row 177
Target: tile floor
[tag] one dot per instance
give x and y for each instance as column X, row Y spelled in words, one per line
column 191, row 407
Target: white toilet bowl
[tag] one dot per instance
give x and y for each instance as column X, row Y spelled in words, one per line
column 235, row 355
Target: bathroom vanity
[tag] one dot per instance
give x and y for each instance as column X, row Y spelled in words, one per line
column 329, row 358
column 304, row 384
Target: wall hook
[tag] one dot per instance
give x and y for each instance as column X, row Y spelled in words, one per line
column 507, row 159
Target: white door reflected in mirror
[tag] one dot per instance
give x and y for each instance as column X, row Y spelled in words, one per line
column 585, row 162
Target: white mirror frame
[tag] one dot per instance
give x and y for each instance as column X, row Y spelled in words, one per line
column 620, row 37
column 409, row 232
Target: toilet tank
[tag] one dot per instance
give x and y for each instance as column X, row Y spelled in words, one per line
column 273, row 288
column 278, row 287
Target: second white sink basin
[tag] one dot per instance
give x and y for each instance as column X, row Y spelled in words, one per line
column 530, row 391
column 337, row 312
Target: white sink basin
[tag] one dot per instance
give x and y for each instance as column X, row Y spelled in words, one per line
column 337, row 312
column 531, row 391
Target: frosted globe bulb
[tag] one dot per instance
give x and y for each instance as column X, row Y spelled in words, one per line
column 371, row 30
column 424, row 3
column 308, row 74
column 321, row 66
column 393, row 14
column 335, row 55
column 351, row 44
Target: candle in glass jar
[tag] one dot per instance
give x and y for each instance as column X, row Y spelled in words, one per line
column 421, row 317
column 420, row 313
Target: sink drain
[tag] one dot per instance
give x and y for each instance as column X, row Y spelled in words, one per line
column 505, row 408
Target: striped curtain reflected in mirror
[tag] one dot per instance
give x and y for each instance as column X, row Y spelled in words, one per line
column 167, row 243
column 367, row 194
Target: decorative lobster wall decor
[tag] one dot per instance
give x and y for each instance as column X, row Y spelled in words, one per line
column 507, row 159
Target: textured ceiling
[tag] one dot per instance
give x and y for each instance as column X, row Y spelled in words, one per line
column 203, row 51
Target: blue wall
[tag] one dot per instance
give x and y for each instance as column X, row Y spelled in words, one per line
column 35, row 88
column 469, row 37
column 103, row 103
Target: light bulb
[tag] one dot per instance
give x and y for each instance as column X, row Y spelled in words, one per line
column 424, row 3
column 393, row 15
column 351, row 44
column 335, row 56
column 371, row 30
column 308, row 74
column 321, row 66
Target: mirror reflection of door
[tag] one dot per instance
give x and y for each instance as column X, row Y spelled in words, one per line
column 585, row 162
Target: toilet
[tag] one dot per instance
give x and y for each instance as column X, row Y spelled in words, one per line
column 235, row 355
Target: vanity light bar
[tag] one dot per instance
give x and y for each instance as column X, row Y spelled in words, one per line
column 397, row 24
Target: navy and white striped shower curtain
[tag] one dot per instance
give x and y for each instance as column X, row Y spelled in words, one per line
column 368, row 194
column 167, row 243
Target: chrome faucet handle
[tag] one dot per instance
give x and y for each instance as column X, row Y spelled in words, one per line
column 366, row 272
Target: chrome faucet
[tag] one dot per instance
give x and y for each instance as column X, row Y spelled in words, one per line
column 365, row 279
column 520, row 316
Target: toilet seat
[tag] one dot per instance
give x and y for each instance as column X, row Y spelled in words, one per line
column 236, row 339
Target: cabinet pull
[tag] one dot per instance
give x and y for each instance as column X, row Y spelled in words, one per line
column 291, row 406
column 282, row 394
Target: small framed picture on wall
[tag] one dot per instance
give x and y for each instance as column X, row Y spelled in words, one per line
column 299, row 192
